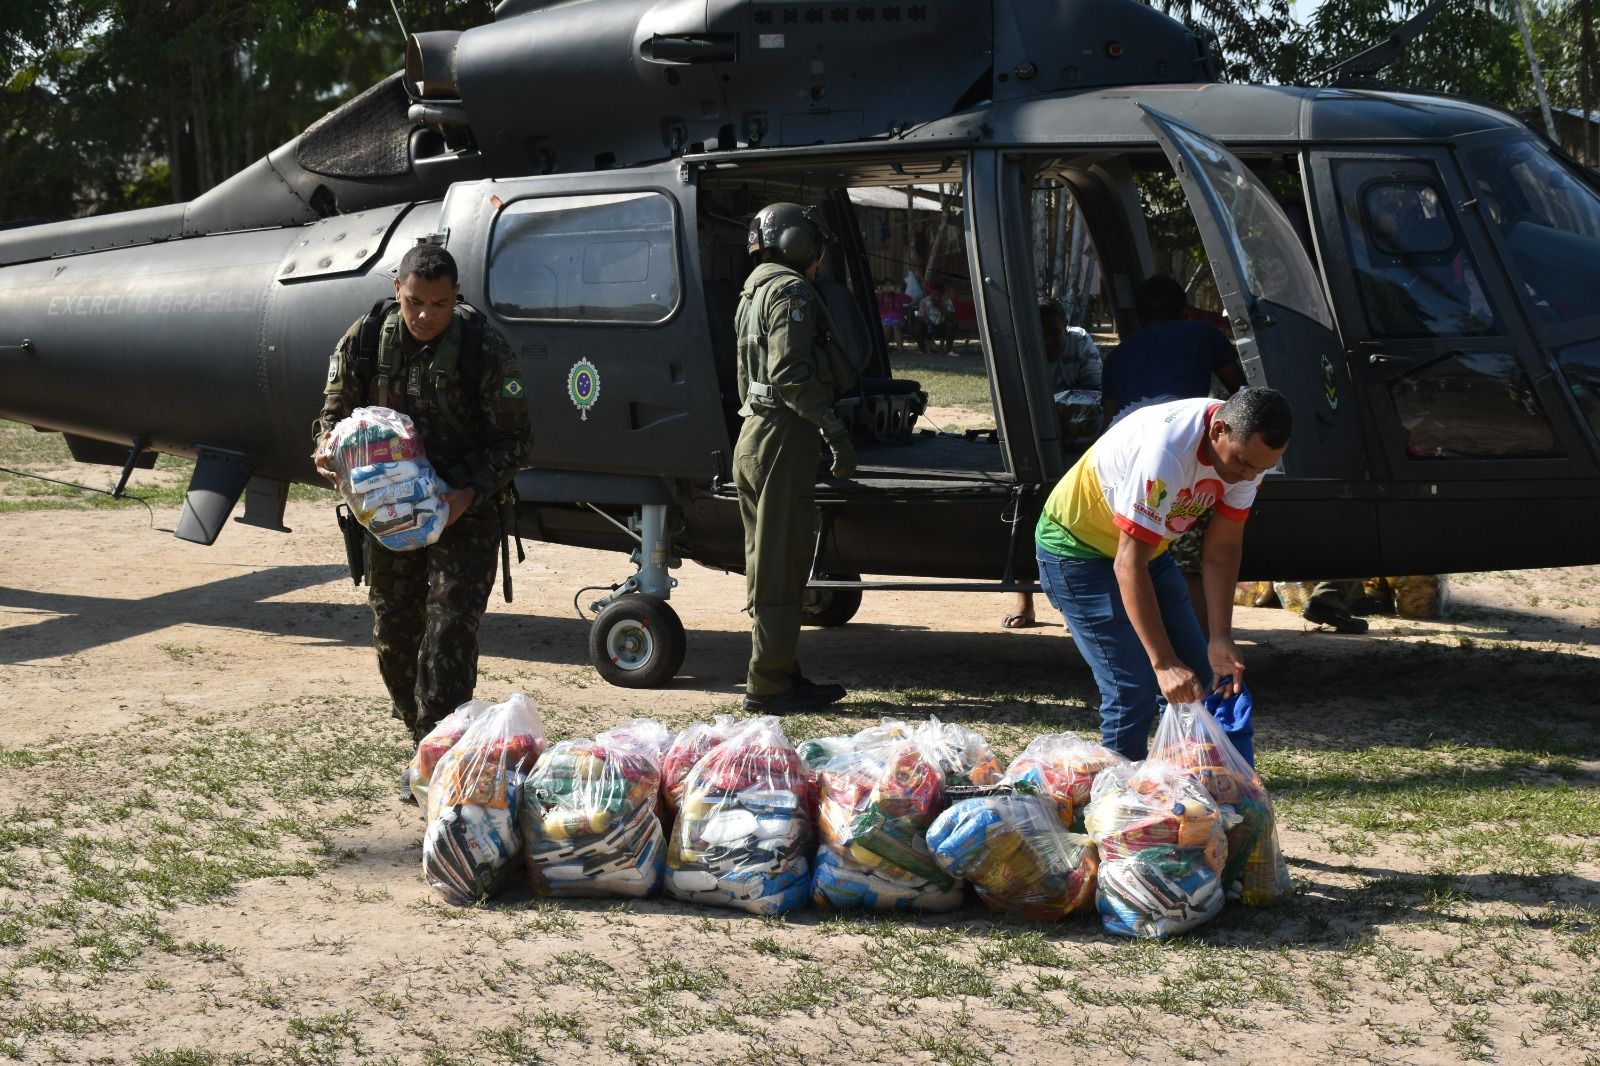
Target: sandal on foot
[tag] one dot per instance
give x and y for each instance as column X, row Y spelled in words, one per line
column 1018, row 620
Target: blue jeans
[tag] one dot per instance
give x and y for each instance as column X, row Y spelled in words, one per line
column 1085, row 591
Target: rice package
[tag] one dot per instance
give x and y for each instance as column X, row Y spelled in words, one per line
column 1189, row 738
column 963, row 755
column 1294, row 595
column 687, row 748
column 1161, row 850
column 742, row 838
column 386, row 479
column 1061, row 767
column 589, row 814
column 875, row 802
column 440, row 739
column 1254, row 594
column 1018, row 854
column 471, row 846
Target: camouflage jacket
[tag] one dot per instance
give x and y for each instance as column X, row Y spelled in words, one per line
column 477, row 439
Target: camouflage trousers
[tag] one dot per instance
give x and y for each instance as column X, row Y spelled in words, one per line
column 426, row 605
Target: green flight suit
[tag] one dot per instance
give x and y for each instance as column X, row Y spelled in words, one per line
column 427, row 604
column 790, row 373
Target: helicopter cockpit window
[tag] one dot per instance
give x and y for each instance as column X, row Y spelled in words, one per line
column 1548, row 221
column 1472, row 405
column 1415, row 274
column 597, row 258
column 1259, row 232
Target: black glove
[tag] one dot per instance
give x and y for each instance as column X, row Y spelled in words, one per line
column 844, row 455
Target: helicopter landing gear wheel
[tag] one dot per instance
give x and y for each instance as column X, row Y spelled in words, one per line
column 637, row 641
column 830, row 608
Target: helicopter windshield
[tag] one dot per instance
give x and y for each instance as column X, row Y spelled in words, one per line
column 1548, row 223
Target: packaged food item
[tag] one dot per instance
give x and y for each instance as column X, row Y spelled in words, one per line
column 687, row 748
column 1162, row 850
column 1018, row 854
column 1061, row 767
column 590, row 814
column 876, row 798
column 1189, row 738
column 1420, row 596
column 1294, row 595
column 440, row 739
column 742, row 838
column 1254, row 594
column 473, row 839
column 963, row 755
column 386, row 479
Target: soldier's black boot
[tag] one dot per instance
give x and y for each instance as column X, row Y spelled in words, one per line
column 1328, row 612
column 804, row 697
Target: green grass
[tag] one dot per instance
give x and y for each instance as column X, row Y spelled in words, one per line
column 948, row 382
column 25, row 449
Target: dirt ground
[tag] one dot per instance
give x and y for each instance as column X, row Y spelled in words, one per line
column 136, row 669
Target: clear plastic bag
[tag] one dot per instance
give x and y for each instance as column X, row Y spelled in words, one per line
column 963, row 755
column 1161, row 850
column 687, row 748
column 1294, row 595
column 876, row 798
column 1421, row 595
column 1019, row 856
column 386, row 479
column 473, row 839
column 590, row 814
column 440, row 739
column 1189, row 738
column 742, row 837
column 1062, row 767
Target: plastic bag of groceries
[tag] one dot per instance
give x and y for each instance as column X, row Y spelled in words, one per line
column 470, row 848
column 1161, row 850
column 1420, row 596
column 1293, row 595
column 687, row 748
column 1254, row 594
column 1062, row 767
column 440, row 739
column 589, row 814
column 1189, row 737
column 1080, row 413
column 875, row 802
column 1018, row 854
column 386, row 479
column 963, row 755
column 814, row 755
column 742, row 838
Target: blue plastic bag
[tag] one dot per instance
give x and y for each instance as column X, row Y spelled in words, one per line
column 1233, row 714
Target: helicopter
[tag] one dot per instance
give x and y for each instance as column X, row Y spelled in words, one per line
column 1415, row 272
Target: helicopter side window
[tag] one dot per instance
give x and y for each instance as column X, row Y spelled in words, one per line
column 596, row 258
column 1472, row 405
column 1548, row 221
column 1414, row 273
column 1580, row 365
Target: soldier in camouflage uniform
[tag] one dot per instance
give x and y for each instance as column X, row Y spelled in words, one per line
column 790, row 374
column 426, row 604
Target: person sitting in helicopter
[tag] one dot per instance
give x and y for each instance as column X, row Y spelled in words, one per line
column 1171, row 356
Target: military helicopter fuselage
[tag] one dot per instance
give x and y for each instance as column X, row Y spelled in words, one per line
column 1417, row 273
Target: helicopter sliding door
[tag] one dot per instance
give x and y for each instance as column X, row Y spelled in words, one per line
column 593, row 279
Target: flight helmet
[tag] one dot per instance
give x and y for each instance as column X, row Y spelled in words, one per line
column 794, row 234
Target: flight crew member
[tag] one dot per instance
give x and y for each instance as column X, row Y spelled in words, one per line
column 790, row 374
column 461, row 387
column 1102, row 540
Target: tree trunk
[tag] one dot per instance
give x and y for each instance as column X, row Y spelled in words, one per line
column 1588, row 70
column 1533, row 66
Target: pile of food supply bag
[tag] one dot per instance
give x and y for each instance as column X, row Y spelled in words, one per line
column 386, row 479
column 1414, row 597
column 900, row 816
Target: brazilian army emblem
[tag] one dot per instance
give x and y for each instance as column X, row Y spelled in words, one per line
column 1330, row 384
column 583, row 386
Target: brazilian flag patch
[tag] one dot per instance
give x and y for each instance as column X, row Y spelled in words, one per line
column 512, row 389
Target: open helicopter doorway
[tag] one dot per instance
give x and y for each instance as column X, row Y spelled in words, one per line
column 898, row 283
